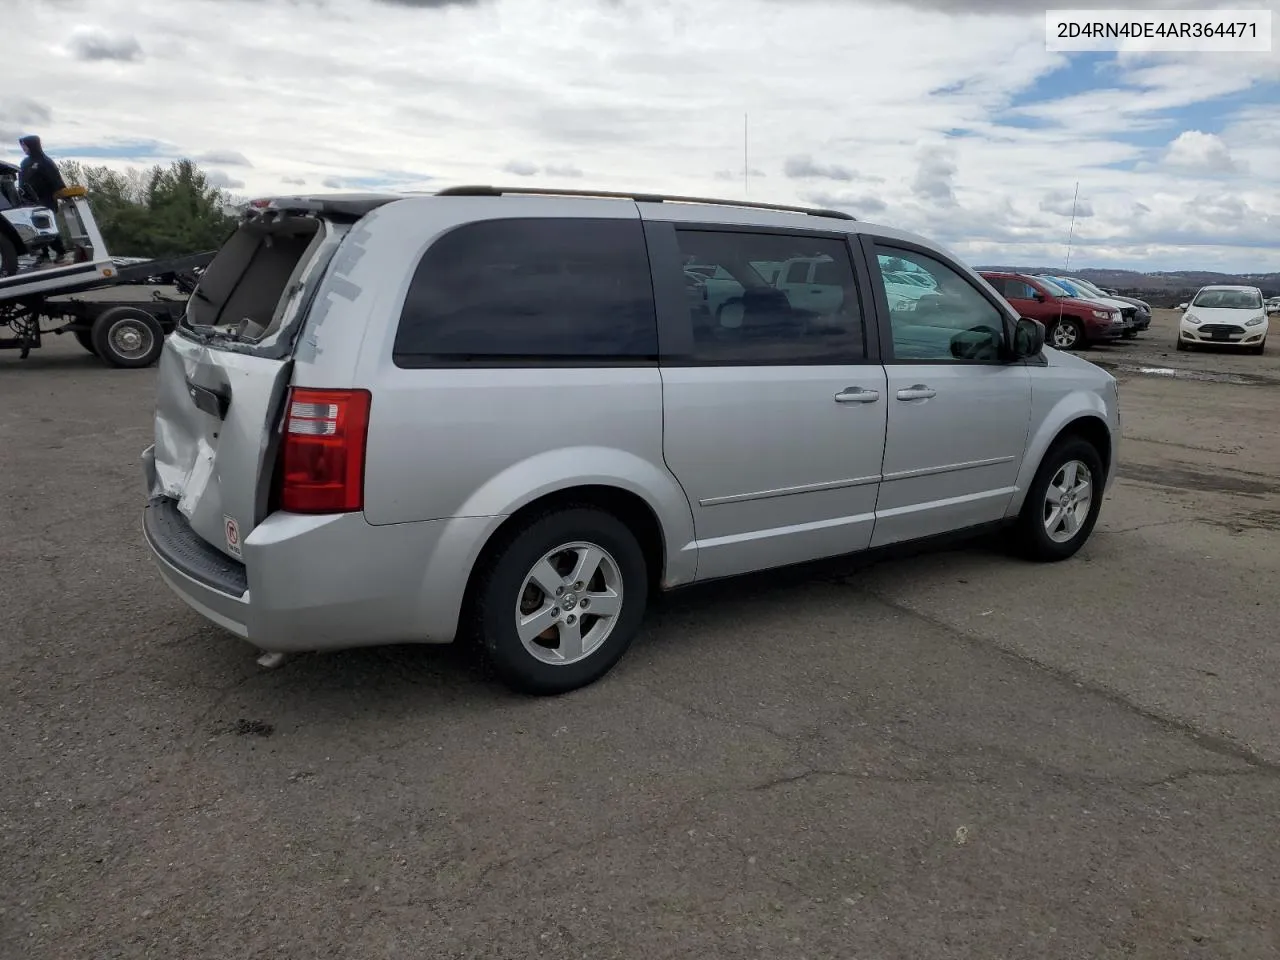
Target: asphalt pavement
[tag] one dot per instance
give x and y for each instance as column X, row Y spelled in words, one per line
column 953, row 754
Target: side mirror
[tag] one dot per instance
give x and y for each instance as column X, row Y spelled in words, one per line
column 1182, row 307
column 1039, row 297
column 1028, row 338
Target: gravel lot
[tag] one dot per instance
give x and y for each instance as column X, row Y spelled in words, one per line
column 951, row 755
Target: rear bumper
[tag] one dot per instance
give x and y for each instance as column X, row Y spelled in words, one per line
column 215, row 585
column 323, row 582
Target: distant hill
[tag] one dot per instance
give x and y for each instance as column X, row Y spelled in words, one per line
column 1165, row 289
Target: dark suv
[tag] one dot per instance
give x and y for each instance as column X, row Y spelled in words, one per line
column 1071, row 323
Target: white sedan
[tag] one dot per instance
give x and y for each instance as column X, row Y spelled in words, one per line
column 1228, row 316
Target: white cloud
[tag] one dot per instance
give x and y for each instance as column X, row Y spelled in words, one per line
column 1198, row 152
column 737, row 175
column 862, row 205
column 805, row 167
column 1065, row 204
column 19, row 115
column 94, row 44
column 566, row 170
column 651, row 95
column 226, row 158
column 521, row 168
column 935, row 174
column 222, row 180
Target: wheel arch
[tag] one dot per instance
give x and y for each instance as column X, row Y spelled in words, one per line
column 608, row 477
column 639, row 516
column 10, row 233
column 1093, row 429
column 1086, row 420
column 632, row 509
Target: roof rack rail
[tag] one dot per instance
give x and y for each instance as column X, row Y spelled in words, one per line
column 484, row 191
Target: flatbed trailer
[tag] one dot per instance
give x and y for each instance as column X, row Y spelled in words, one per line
column 59, row 299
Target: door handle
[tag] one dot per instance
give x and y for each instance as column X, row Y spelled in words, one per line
column 857, row 395
column 917, row 391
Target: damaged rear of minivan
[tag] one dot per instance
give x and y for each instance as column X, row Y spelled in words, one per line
column 252, row 476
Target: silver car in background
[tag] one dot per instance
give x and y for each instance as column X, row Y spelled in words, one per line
column 512, row 417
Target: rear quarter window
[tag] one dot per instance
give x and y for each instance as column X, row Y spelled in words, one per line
column 546, row 288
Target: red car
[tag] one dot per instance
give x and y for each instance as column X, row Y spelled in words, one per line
column 1070, row 323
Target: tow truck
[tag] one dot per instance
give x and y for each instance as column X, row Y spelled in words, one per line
column 40, row 295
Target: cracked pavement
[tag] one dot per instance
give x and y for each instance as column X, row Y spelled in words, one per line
column 952, row 754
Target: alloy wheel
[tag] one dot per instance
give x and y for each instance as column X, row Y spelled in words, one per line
column 1067, row 501
column 569, row 603
column 1065, row 336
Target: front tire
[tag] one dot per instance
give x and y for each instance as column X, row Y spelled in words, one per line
column 8, row 257
column 127, row 337
column 1067, row 334
column 1259, row 349
column 1063, row 502
column 1180, row 344
column 561, row 600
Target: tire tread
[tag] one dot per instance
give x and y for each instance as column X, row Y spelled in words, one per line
column 1030, row 537
column 532, row 677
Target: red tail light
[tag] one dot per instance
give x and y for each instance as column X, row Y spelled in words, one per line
column 323, row 460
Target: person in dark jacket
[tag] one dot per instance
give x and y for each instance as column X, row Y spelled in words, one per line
column 39, row 178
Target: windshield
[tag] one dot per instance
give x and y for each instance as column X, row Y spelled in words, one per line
column 1228, row 300
column 1067, row 285
column 1054, row 288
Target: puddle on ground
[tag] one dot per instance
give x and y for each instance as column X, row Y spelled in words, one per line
column 1182, row 373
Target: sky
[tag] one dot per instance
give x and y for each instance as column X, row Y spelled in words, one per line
column 944, row 117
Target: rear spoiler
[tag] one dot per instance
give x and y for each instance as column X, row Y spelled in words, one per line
column 338, row 206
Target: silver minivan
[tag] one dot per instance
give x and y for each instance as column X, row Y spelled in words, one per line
column 513, row 415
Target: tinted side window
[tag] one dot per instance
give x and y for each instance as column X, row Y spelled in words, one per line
column 1018, row 290
column 750, row 313
column 950, row 321
column 534, row 288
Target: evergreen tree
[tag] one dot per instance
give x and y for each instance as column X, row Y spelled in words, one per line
column 162, row 212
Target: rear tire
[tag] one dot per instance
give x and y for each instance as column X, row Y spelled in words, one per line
column 127, row 337
column 530, row 580
column 85, row 339
column 1045, row 536
column 8, row 257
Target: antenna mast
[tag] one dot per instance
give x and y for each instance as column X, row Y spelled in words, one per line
column 1072, row 231
column 746, row 160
